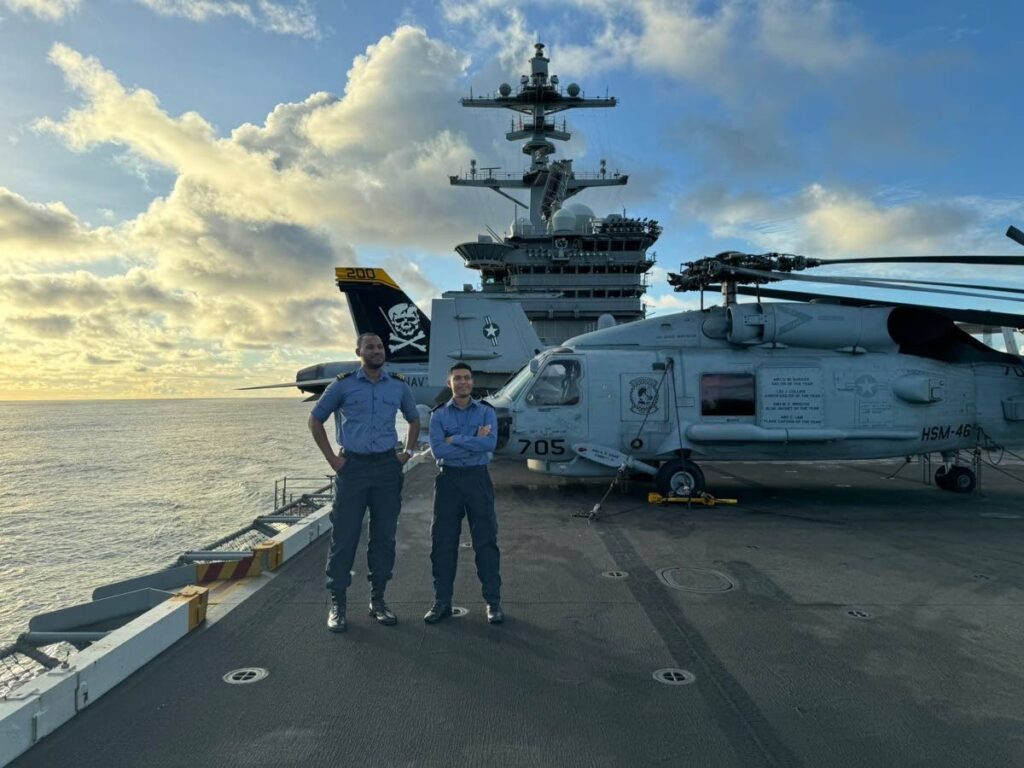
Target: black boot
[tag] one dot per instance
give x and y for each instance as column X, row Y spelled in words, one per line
column 336, row 616
column 379, row 609
column 437, row 612
column 494, row 613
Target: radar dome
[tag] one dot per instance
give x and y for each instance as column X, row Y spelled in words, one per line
column 582, row 216
column 579, row 209
column 573, row 90
column 563, row 221
column 504, row 89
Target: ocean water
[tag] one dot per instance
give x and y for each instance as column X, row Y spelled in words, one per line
column 95, row 492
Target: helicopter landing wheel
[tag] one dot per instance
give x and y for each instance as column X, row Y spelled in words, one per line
column 957, row 479
column 679, row 478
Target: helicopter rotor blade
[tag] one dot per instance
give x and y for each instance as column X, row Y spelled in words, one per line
column 896, row 280
column 1015, row 234
column 982, row 260
column 863, row 283
column 978, row 316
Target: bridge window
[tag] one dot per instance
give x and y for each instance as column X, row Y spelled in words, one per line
column 727, row 394
column 557, row 384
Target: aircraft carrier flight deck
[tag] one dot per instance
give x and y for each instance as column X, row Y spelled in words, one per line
column 833, row 617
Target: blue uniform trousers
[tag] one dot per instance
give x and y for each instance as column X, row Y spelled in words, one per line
column 363, row 483
column 465, row 491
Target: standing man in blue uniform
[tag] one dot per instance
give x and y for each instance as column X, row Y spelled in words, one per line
column 369, row 472
column 463, row 434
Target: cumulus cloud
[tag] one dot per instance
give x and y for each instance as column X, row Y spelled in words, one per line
column 806, row 36
column 342, row 165
column 48, row 10
column 44, row 326
column 238, row 257
column 428, row 70
column 710, row 44
column 46, row 233
column 298, row 18
column 835, row 222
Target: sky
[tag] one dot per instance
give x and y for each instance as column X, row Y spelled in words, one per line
column 179, row 178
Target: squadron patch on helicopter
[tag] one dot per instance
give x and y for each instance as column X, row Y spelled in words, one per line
column 405, row 324
column 643, row 395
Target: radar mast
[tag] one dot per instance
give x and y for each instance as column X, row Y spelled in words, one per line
column 568, row 268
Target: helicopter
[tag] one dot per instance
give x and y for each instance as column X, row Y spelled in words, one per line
column 794, row 381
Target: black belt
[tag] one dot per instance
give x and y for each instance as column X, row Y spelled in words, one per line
column 476, row 468
column 379, row 456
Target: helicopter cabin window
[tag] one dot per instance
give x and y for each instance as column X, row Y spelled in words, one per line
column 727, row 394
column 557, row 384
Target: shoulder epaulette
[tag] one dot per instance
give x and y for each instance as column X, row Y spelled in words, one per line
column 484, row 402
column 341, row 376
column 399, row 376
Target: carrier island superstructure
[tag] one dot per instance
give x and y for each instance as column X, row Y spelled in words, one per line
column 567, row 267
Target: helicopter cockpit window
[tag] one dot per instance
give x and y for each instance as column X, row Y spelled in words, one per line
column 516, row 384
column 557, row 384
column 727, row 394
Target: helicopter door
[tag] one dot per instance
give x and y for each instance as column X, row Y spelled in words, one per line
column 553, row 414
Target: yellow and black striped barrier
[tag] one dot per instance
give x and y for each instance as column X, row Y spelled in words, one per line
column 228, row 570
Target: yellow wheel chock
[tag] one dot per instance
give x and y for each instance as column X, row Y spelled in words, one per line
column 705, row 498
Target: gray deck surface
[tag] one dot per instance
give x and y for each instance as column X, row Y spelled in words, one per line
column 934, row 676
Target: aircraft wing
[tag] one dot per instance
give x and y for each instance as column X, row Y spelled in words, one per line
column 299, row 384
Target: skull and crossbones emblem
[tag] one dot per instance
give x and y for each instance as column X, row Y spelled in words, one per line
column 404, row 322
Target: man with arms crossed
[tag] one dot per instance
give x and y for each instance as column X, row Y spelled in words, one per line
column 463, row 434
column 369, row 472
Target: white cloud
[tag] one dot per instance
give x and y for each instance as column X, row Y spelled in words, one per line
column 401, row 76
column 713, row 45
column 48, row 233
column 48, row 10
column 297, row 18
column 287, row 19
column 239, row 255
column 832, row 222
column 806, row 35
column 354, row 167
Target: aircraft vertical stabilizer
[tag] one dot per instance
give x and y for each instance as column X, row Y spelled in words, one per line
column 493, row 336
column 379, row 306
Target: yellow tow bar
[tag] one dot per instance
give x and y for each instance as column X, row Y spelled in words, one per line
column 705, row 498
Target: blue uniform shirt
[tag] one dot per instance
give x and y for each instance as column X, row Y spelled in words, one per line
column 465, row 449
column 364, row 411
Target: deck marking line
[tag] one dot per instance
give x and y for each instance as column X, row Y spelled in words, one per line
column 750, row 733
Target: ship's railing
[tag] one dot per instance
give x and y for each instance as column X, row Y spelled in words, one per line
column 313, row 493
column 294, row 498
column 21, row 662
column 285, row 494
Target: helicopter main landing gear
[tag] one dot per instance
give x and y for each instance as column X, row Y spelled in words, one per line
column 956, row 478
column 679, row 477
